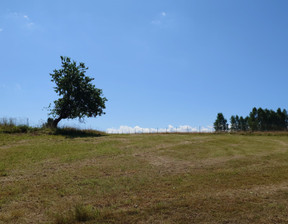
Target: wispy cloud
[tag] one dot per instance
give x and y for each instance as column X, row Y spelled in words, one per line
column 29, row 24
column 20, row 19
column 137, row 129
column 160, row 19
column 1, row 30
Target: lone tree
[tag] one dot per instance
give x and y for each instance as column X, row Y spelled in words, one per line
column 79, row 98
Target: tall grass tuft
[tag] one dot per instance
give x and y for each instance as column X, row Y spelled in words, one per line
column 81, row 213
column 12, row 126
column 7, row 122
column 9, row 125
column 84, row 213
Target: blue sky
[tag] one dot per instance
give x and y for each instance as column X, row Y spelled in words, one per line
column 159, row 63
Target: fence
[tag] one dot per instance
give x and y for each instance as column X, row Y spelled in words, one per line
column 170, row 129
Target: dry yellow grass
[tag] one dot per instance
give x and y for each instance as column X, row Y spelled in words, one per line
column 157, row 178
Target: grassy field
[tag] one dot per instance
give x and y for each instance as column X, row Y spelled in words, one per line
column 156, row 178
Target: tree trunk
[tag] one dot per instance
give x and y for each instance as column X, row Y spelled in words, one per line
column 56, row 121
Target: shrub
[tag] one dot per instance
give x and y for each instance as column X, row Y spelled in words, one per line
column 9, row 126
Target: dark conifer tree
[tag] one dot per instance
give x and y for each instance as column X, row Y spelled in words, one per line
column 221, row 123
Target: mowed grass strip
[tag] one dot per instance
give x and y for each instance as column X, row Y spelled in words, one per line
column 156, row 178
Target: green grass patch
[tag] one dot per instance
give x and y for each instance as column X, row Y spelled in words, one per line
column 77, row 177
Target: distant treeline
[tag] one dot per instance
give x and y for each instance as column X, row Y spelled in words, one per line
column 258, row 120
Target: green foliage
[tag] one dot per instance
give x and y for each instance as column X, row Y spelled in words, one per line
column 221, row 123
column 239, row 124
column 261, row 120
column 49, row 123
column 73, row 132
column 84, row 213
column 7, row 122
column 233, row 123
column 268, row 120
column 18, row 129
column 79, row 98
column 9, row 126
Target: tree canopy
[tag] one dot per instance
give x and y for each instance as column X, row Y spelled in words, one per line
column 79, row 98
column 221, row 123
column 258, row 120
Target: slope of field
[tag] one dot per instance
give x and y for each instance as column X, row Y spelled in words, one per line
column 157, row 178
